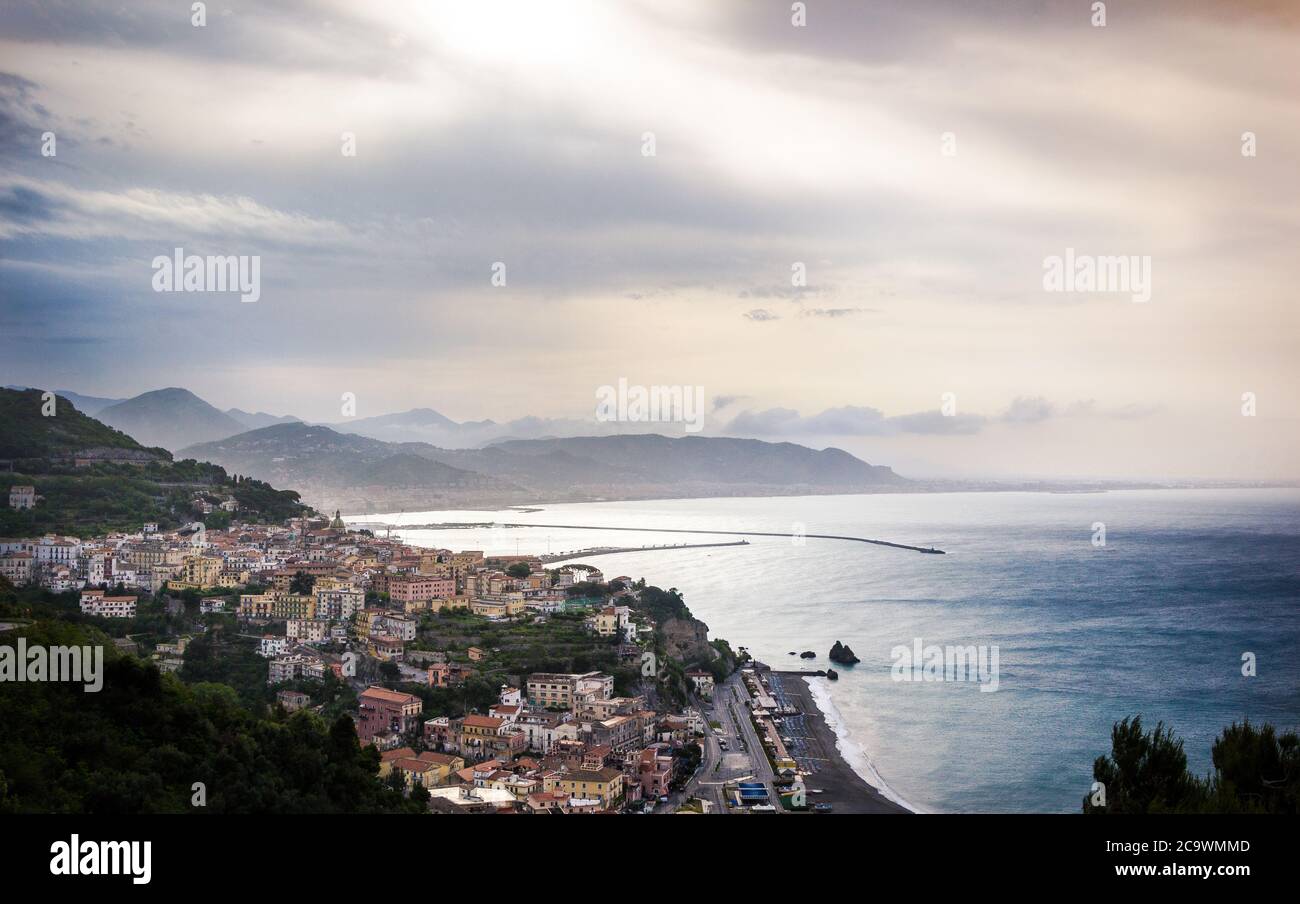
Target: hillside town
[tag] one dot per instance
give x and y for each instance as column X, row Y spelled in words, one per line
column 395, row 635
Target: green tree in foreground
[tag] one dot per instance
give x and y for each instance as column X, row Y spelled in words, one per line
column 1255, row 771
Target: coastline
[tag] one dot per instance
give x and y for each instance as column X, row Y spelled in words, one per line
column 837, row 771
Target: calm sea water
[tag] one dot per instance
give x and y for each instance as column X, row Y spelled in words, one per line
column 1153, row 623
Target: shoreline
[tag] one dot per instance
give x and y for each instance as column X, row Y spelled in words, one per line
column 820, row 749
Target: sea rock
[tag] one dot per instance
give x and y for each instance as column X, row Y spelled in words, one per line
column 832, row 675
column 842, row 654
column 807, row 654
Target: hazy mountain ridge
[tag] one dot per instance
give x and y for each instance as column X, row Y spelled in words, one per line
column 171, row 418
column 341, row 470
column 254, row 420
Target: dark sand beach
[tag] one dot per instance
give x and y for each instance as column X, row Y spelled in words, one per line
column 829, row 779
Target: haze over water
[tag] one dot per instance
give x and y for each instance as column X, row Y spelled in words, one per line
column 1155, row 622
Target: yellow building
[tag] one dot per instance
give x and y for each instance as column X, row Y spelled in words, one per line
column 500, row 607
column 256, row 605
column 604, row 785
column 292, row 605
column 198, row 573
column 433, row 770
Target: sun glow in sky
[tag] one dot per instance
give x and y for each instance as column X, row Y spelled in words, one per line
column 920, row 161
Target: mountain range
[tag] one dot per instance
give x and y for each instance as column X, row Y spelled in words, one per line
column 174, row 418
column 372, row 464
column 359, row 474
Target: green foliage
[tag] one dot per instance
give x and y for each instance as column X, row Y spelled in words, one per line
column 518, row 570
column 140, row 744
column 106, row 497
column 1255, row 771
column 301, row 583
column 30, row 434
column 662, row 605
column 270, row 504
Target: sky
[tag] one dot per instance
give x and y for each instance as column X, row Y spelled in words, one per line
column 839, row 230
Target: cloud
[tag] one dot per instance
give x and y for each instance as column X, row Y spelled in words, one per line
column 855, row 420
column 726, row 401
column 57, row 210
column 835, row 313
column 1025, row 410
column 494, row 131
column 849, row 420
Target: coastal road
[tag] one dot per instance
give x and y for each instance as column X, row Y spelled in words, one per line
column 722, row 767
column 730, row 709
column 762, row 769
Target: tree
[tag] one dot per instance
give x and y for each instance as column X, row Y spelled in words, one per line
column 518, row 570
column 1256, row 770
column 1146, row 772
column 301, row 583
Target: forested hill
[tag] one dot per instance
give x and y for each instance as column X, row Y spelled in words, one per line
column 91, row 479
column 140, row 743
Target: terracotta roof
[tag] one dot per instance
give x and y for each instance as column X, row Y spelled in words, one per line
column 381, row 693
column 483, row 721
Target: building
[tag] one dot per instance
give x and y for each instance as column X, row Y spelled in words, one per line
column 651, row 769
column 292, row 701
column 407, row 588
column 383, row 711
column 272, row 646
column 93, row 602
column 338, row 603
column 619, row 733
column 287, row 668
column 703, row 682
column 612, row 620
column 559, row 691
column 468, row 799
column 22, row 497
column 545, row 730
column 16, row 567
column 256, row 605
column 292, row 605
column 432, row 770
column 306, row 630
column 198, row 573
column 604, row 785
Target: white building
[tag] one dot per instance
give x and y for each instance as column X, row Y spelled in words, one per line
column 272, row 646
column 93, row 602
column 307, row 630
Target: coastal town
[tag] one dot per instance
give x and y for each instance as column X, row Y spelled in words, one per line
column 445, row 662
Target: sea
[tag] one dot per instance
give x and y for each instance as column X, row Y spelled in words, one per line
column 1179, row 606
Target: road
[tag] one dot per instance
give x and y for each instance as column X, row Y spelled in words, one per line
column 729, row 708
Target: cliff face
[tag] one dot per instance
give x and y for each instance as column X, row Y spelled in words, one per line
column 687, row 639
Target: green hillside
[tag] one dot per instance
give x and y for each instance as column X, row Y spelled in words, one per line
column 109, row 496
column 28, row 433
